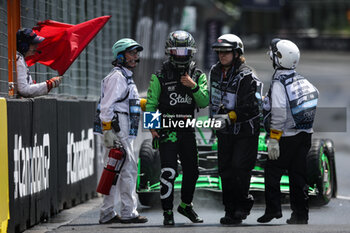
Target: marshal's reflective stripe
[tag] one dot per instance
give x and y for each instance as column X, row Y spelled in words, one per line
column 305, row 106
column 302, row 97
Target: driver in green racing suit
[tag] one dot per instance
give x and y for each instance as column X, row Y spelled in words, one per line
column 176, row 91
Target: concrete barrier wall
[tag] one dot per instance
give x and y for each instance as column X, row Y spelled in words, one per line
column 4, row 187
column 52, row 160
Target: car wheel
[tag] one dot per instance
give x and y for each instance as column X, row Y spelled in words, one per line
column 149, row 172
column 320, row 172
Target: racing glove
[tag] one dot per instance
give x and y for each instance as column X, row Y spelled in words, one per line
column 273, row 145
column 109, row 137
column 53, row 82
column 143, row 104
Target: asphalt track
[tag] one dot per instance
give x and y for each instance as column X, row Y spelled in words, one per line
column 330, row 72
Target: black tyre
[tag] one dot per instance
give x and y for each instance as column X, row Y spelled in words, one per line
column 149, row 172
column 320, row 172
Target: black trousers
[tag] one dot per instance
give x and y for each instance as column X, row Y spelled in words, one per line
column 236, row 159
column 293, row 152
column 184, row 148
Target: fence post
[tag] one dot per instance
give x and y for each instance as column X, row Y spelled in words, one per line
column 13, row 24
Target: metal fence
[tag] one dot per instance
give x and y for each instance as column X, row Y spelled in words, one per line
column 82, row 79
column 147, row 21
column 3, row 49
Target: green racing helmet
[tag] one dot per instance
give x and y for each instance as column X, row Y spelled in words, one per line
column 180, row 47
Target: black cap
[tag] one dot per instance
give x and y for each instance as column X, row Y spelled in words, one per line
column 26, row 35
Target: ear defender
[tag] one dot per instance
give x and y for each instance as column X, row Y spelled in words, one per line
column 121, row 58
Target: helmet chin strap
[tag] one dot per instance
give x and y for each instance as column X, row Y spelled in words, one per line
column 275, row 62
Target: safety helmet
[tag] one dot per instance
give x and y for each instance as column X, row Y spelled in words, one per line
column 25, row 37
column 123, row 45
column 284, row 54
column 180, row 46
column 228, row 42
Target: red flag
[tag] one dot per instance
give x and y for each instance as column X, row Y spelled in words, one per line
column 64, row 42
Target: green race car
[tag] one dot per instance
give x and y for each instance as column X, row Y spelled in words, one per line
column 321, row 171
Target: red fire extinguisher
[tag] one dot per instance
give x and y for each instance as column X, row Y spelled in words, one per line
column 115, row 162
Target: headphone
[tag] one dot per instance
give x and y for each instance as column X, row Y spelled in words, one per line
column 121, row 58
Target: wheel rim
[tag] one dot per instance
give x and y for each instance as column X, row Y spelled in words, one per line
column 326, row 175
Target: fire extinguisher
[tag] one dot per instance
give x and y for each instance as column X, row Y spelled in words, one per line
column 109, row 177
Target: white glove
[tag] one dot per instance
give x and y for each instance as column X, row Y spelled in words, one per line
column 225, row 120
column 109, row 137
column 273, row 149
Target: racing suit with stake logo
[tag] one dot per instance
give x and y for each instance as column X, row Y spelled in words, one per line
column 171, row 97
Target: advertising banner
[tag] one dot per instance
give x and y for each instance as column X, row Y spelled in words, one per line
column 20, row 151
column 51, row 158
column 76, row 164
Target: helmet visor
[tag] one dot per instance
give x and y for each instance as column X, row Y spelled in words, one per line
column 181, row 51
column 223, row 49
column 137, row 47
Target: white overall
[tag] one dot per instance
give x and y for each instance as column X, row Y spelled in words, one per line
column 123, row 194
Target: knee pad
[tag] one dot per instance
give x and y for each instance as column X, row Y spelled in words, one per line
column 167, row 177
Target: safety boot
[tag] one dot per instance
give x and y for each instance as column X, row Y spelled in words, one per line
column 230, row 219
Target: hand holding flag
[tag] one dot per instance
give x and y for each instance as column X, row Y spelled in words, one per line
column 64, row 42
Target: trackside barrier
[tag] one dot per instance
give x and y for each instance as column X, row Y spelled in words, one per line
column 77, row 181
column 4, row 188
column 51, row 158
column 19, row 115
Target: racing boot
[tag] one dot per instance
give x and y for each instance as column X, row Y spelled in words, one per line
column 168, row 218
column 187, row 211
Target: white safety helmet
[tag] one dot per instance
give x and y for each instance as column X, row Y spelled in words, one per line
column 228, row 42
column 284, row 54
